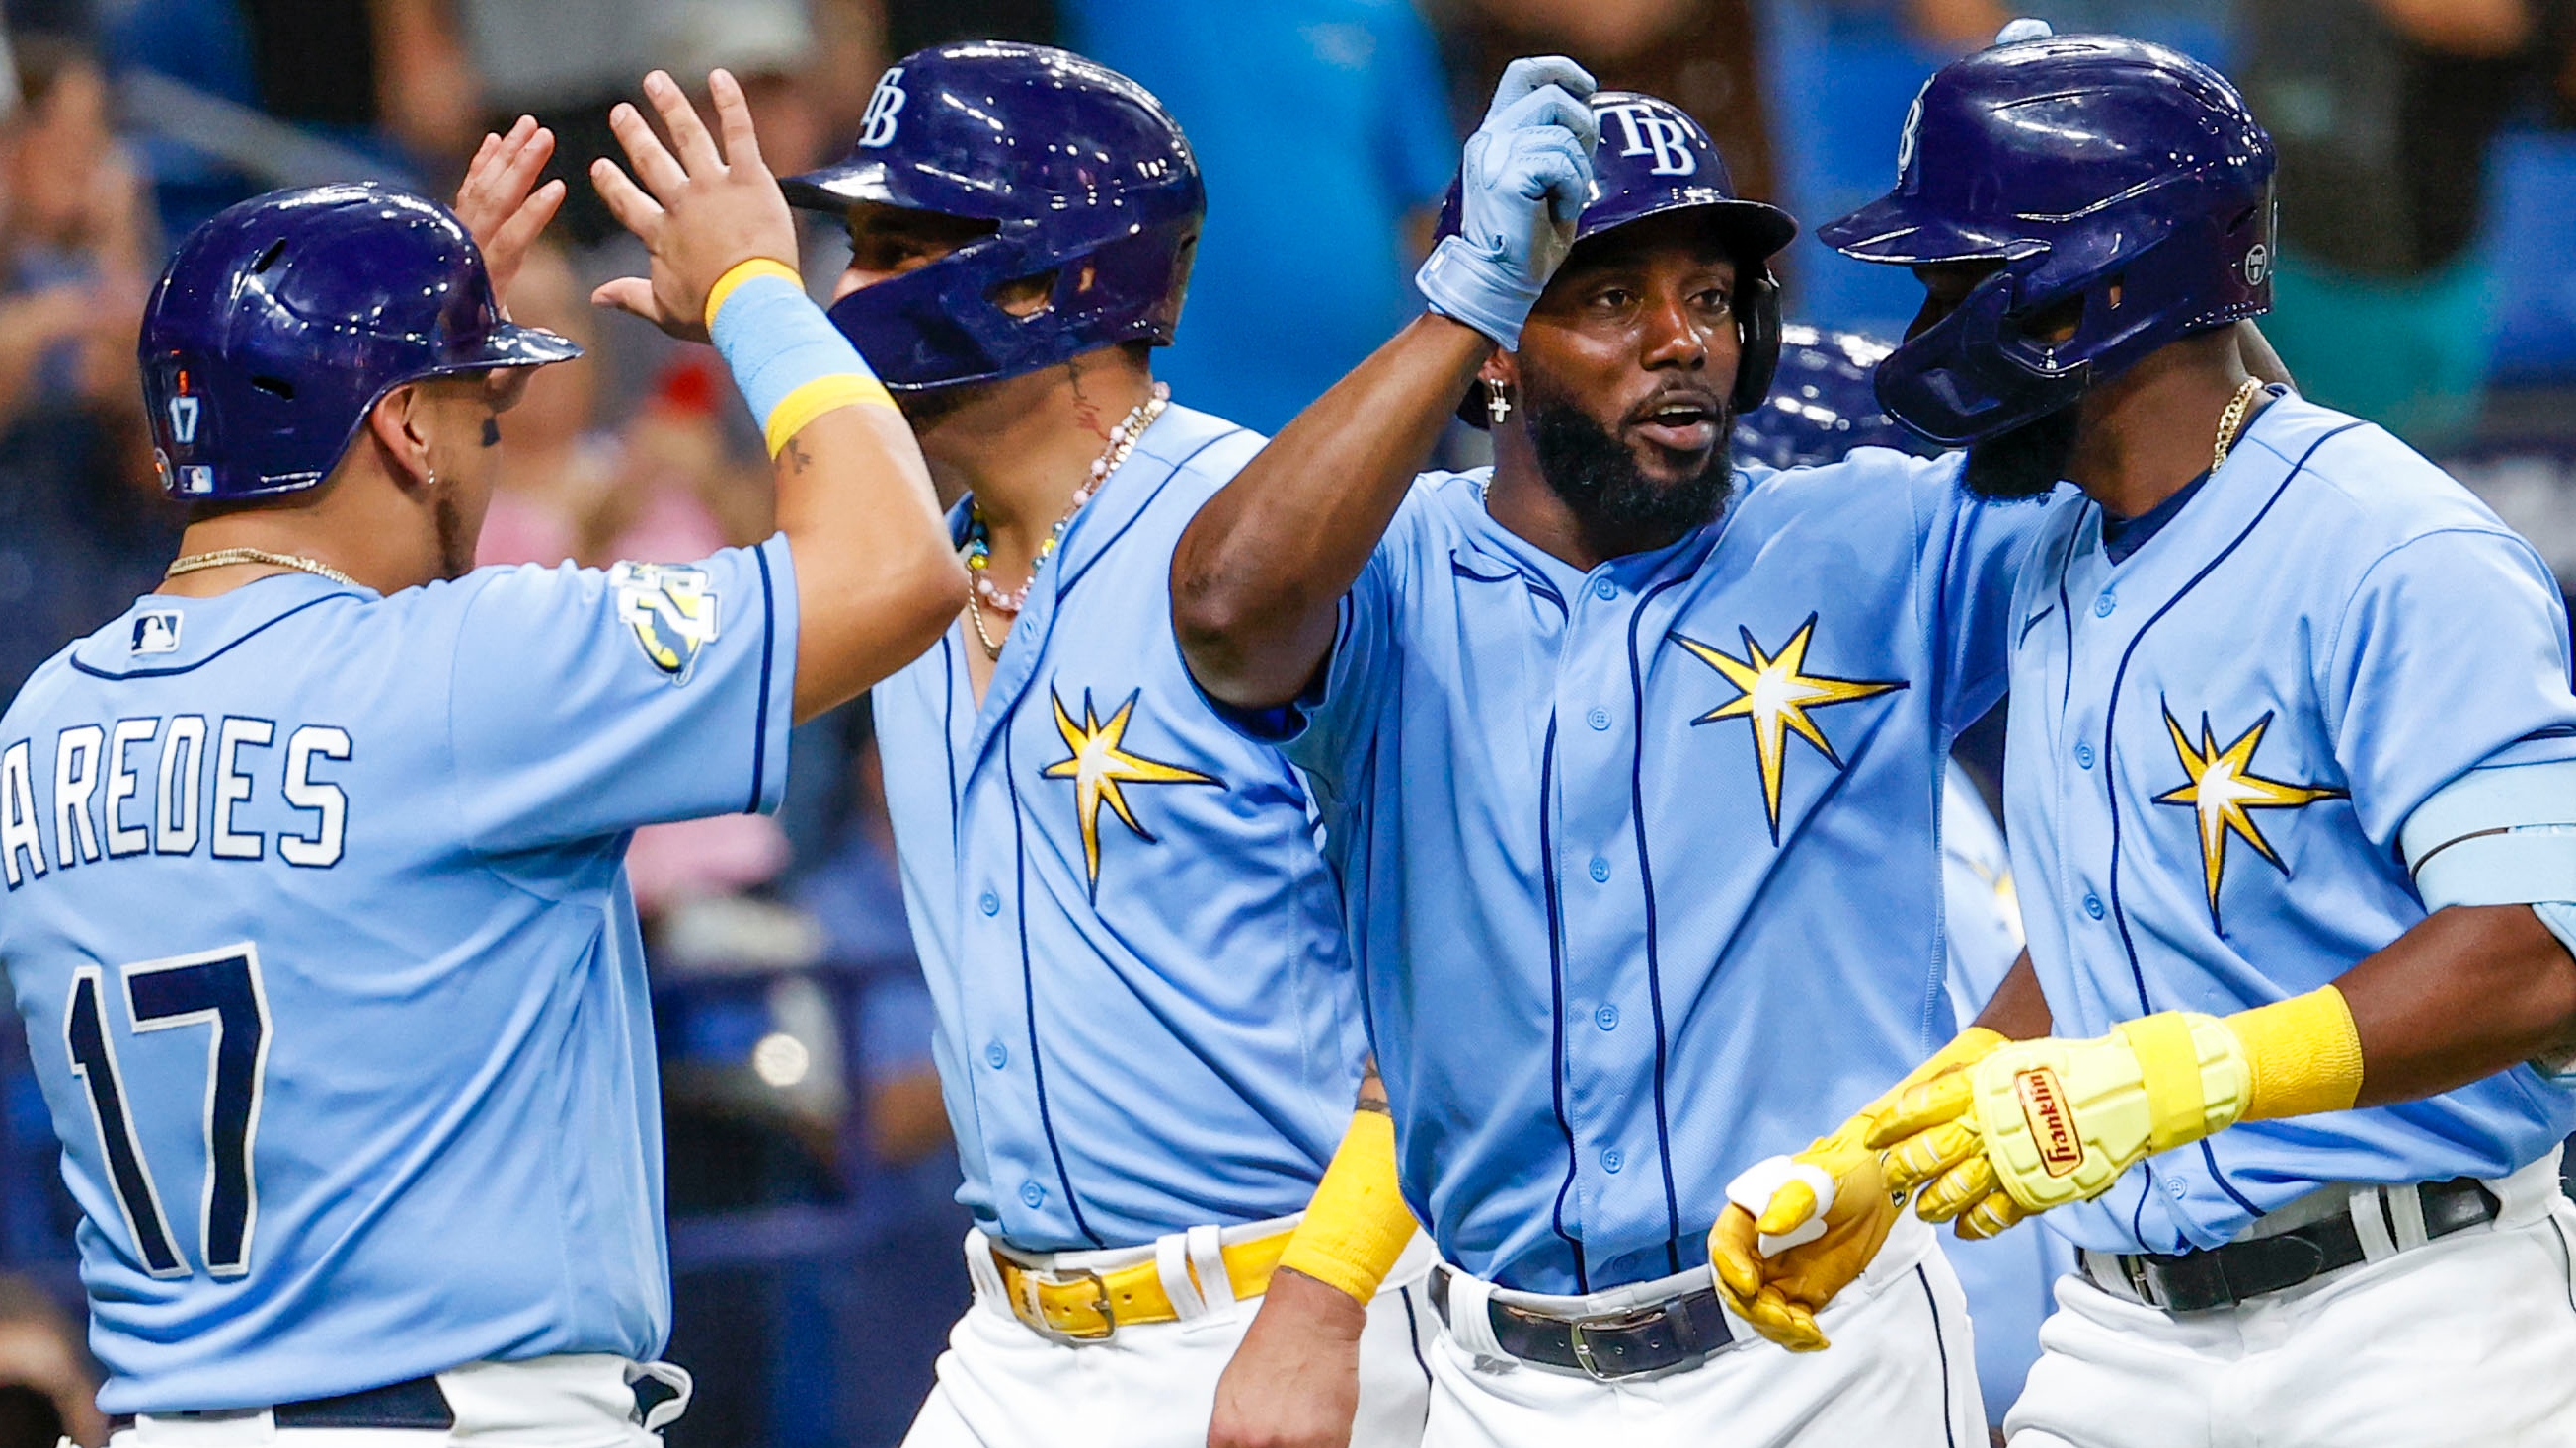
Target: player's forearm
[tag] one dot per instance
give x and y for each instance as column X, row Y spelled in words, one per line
column 1259, row 575
column 876, row 580
column 2472, row 991
column 2017, row 1010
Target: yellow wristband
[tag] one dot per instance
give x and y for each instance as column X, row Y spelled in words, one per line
column 759, row 266
column 1357, row 1225
column 811, row 400
column 2304, row 1055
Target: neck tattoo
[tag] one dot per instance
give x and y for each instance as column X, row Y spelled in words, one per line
column 979, row 537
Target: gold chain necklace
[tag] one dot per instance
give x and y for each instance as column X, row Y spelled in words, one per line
column 2233, row 419
column 975, row 616
column 227, row 557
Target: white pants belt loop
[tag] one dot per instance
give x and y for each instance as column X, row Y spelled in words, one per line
column 2377, row 1244
column 2406, row 1210
column 1172, row 1264
column 1205, row 1247
column 1471, row 1317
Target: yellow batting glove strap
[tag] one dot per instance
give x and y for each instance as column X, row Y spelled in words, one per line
column 1357, row 1224
column 759, row 266
column 2303, row 1053
column 2169, row 1075
column 811, row 400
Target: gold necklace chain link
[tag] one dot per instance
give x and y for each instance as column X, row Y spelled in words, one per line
column 228, row 557
column 2233, row 420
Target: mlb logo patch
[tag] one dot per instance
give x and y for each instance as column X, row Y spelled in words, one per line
column 156, row 632
column 196, row 479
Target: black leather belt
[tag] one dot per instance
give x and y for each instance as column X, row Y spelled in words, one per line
column 2225, row 1276
column 1678, row 1332
column 419, row 1403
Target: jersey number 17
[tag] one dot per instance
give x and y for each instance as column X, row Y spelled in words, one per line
column 219, row 989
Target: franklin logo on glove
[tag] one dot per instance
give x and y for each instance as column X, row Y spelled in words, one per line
column 2043, row 1105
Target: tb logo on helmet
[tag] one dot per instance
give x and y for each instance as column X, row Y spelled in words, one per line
column 876, row 128
column 1659, row 136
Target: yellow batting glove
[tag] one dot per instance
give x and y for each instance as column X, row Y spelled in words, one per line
column 2055, row 1121
column 1797, row 1230
column 1822, row 1216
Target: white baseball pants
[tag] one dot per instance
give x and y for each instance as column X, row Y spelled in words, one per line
column 1902, row 1373
column 2465, row 1341
column 1153, row 1385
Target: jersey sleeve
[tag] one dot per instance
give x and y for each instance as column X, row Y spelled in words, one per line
column 1974, row 550
column 587, row 702
column 1328, row 730
column 2451, row 653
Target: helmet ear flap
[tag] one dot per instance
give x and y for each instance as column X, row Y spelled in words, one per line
column 1757, row 330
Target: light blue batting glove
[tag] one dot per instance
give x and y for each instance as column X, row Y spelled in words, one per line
column 1526, row 179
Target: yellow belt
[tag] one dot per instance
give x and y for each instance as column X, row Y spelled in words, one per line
column 1087, row 1306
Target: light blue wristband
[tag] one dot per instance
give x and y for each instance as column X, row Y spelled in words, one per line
column 779, row 345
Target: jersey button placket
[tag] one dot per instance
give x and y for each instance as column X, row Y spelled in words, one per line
column 2108, row 601
column 2084, row 756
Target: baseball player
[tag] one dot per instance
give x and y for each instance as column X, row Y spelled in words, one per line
column 2293, row 759
column 1822, row 406
column 314, row 904
column 1149, row 1034
column 1630, row 762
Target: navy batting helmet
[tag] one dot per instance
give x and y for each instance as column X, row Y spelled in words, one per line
column 2108, row 177
column 1653, row 158
column 281, row 321
column 1084, row 176
column 1822, row 403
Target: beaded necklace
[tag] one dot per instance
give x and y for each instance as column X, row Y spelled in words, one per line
column 979, row 538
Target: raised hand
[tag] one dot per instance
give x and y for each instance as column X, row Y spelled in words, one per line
column 700, row 213
column 1526, row 177
column 497, row 205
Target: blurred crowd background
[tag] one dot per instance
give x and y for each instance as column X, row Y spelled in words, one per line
column 2428, row 206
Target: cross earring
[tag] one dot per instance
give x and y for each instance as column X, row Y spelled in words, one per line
column 1497, row 406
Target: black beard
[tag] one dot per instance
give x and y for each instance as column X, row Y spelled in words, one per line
column 455, row 550
column 1618, row 507
column 2026, row 462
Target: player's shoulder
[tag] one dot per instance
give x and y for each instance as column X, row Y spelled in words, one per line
column 1864, row 478
column 1197, row 453
column 2365, row 484
column 1876, row 489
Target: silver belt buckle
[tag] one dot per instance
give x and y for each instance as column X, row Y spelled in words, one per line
column 1574, row 1333
column 1037, row 1318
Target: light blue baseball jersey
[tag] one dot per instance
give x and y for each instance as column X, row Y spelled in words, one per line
column 2213, row 745
column 317, row 916
column 1640, row 863
column 1147, row 1020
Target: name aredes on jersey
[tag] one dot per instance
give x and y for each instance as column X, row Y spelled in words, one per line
column 170, row 785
